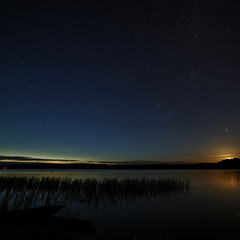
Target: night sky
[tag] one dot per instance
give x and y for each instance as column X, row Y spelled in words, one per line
column 115, row 81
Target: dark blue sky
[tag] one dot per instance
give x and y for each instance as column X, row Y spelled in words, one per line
column 120, row 80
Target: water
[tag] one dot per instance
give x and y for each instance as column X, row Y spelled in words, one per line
column 210, row 210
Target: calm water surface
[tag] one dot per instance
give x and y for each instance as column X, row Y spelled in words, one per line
column 210, row 210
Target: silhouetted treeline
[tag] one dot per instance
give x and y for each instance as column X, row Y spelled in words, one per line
column 224, row 164
column 229, row 163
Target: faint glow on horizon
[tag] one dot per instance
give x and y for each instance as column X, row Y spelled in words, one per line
column 228, row 156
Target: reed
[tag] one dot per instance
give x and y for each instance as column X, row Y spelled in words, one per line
column 23, row 192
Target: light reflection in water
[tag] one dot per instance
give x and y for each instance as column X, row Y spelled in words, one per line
column 232, row 178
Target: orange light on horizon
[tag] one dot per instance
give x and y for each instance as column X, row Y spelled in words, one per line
column 228, row 156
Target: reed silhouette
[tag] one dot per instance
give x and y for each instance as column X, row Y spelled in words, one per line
column 25, row 192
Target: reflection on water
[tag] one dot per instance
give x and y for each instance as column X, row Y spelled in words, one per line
column 232, row 178
column 211, row 210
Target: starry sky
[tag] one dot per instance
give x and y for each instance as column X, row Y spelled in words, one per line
column 120, row 81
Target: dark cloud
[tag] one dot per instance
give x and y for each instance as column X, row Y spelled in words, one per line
column 29, row 159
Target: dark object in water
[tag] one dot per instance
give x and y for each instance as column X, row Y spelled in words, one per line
column 28, row 214
column 39, row 223
column 72, row 225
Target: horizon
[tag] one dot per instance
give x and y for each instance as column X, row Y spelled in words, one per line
column 31, row 160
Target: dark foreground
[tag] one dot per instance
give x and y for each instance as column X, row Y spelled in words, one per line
column 20, row 219
column 131, row 205
column 40, row 223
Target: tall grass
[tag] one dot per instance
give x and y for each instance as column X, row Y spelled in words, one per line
column 24, row 192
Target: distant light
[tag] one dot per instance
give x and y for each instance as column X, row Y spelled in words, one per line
column 5, row 167
column 226, row 130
